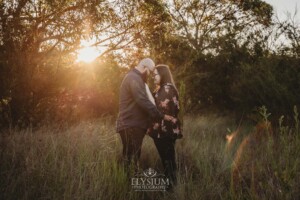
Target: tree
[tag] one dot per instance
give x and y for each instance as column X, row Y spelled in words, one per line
column 291, row 30
column 38, row 36
column 200, row 23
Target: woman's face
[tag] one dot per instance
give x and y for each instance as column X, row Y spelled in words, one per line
column 156, row 77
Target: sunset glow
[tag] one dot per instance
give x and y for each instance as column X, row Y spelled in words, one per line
column 87, row 53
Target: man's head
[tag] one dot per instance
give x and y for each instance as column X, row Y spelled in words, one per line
column 146, row 66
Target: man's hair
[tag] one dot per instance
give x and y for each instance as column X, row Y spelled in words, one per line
column 147, row 62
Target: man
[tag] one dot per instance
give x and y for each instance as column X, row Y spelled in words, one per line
column 136, row 110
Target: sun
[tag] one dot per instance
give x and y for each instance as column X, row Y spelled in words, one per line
column 87, row 53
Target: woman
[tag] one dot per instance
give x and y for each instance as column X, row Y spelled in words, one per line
column 165, row 133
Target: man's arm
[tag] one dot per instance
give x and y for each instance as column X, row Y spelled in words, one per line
column 138, row 91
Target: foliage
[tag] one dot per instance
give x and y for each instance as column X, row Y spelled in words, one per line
column 227, row 55
column 82, row 162
column 38, row 40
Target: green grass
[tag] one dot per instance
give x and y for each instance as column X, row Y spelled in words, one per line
column 83, row 162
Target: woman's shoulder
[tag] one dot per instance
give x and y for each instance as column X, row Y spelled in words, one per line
column 168, row 88
column 163, row 89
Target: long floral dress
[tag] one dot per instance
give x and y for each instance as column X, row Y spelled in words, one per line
column 167, row 101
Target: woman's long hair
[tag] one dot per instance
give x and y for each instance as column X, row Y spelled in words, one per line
column 165, row 75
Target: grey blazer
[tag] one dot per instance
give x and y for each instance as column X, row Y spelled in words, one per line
column 135, row 108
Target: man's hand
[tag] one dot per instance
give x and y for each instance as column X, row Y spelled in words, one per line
column 170, row 118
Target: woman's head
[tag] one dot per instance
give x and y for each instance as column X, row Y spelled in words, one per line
column 162, row 75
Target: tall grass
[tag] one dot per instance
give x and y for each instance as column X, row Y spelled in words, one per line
column 82, row 162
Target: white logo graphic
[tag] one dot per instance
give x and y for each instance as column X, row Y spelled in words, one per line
column 149, row 180
column 149, row 172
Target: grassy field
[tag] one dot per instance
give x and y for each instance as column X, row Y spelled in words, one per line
column 83, row 162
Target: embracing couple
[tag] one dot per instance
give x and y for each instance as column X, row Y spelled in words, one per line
column 141, row 113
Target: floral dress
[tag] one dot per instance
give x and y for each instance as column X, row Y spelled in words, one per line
column 167, row 102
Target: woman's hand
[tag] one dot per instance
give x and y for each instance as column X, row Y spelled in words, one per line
column 156, row 126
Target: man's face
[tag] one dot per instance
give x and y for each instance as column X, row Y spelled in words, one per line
column 146, row 71
column 151, row 68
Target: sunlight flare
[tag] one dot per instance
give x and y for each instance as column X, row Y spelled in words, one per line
column 87, row 53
